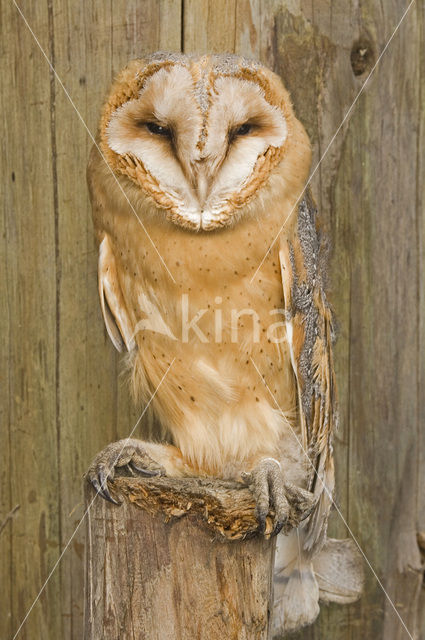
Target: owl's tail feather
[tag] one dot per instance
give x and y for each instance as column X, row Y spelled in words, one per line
column 334, row 574
column 338, row 568
column 296, row 592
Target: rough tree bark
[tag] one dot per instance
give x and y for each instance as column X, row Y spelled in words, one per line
column 178, row 560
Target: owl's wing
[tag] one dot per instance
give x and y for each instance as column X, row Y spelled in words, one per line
column 112, row 301
column 310, row 337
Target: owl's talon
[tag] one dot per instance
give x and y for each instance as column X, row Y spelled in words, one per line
column 302, row 502
column 102, row 490
column 148, row 473
column 280, row 502
column 268, row 486
column 105, row 493
column 124, row 453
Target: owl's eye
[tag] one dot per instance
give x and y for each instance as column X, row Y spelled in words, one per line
column 158, row 130
column 243, row 130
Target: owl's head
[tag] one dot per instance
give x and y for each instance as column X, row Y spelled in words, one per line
column 200, row 136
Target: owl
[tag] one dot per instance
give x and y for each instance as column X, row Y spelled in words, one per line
column 211, row 278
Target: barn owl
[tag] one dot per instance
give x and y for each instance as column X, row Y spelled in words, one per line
column 211, row 277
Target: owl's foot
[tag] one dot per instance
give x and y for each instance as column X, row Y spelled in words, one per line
column 289, row 504
column 127, row 452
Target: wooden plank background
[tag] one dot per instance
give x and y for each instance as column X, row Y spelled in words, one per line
column 62, row 398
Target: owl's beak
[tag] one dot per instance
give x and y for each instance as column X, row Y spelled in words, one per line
column 204, row 171
column 202, row 183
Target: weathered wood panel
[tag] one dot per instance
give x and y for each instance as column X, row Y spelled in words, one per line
column 31, row 470
column 420, row 190
column 150, row 574
column 62, row 398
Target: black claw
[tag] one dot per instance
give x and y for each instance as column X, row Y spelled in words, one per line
column 102, row 490
column 95, row 484
column 108, row 497
column 278, row 527
column 103, row 479
column 99, row 490
column 148, row 473
column 106, row 494
column 261, row 522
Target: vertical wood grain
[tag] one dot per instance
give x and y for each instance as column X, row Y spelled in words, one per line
column 29, row 247
column 209, row 26
column 9, row 176
column 420, row 189
column 87, row 367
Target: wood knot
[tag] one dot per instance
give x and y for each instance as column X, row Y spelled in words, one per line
column 361, row 56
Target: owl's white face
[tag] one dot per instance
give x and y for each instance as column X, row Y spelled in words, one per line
column 196, row 135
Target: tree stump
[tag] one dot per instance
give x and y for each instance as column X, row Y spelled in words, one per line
column 180, row 559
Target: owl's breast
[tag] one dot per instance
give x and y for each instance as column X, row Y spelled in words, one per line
column 217, row 331
column 204, row 287
column 208, row 307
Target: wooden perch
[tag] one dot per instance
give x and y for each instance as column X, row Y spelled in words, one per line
column 180, row 559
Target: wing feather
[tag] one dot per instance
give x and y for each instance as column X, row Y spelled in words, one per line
column 111, row 299
column 310, row 337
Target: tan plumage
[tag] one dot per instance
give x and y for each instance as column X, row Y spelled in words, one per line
column 203, row 163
